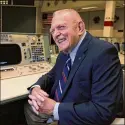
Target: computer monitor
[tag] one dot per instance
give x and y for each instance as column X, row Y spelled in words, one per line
column 10, row 54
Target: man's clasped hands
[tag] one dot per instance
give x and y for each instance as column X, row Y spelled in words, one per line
column 40, row 101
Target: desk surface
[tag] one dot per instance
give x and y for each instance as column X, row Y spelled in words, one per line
column 17, row 87
column 122, row 58
column 119, row 121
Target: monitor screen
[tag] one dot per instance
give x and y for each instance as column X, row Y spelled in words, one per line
column 10, row 54
column 18, row 19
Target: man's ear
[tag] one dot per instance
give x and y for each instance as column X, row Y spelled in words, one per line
column 81, row 27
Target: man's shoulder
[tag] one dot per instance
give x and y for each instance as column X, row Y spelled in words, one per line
column 100, row 45
column 97, row 44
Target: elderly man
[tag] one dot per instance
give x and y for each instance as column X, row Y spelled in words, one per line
column 85, row 85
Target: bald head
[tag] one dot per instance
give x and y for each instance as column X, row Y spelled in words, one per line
column 67, row 28
column 68, row 13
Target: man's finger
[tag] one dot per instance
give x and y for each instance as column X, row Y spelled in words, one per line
column 30, row 102
column 39, row 97
column 35, row 110
column 40, row 104
column 43, row 93
column 32, row 97
column 35, row 104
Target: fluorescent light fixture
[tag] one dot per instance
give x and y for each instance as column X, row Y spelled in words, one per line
column 86, row 8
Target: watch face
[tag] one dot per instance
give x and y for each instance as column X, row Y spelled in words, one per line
column 56, row 2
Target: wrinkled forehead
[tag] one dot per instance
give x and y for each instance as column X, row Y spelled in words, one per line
column 62, row 19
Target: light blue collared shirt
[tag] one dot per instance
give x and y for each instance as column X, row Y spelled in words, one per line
column 72, row 56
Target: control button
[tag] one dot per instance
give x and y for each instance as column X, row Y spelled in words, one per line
column 23, row 44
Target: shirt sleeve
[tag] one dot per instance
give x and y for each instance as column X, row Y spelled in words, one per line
column 55, row 112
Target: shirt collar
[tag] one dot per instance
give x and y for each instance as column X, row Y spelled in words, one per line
column 74, row 51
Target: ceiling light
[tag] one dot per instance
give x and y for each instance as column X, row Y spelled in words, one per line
column 86, row 8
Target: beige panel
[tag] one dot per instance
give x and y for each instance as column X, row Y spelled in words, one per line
column 38, row 5
column 14, row 87
column 99, row 33
column 69, row 4
column 109, row 16
column 118, row 121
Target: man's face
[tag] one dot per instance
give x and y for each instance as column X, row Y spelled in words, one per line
column 64, row 32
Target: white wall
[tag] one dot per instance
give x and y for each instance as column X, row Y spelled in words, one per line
column 97, row 29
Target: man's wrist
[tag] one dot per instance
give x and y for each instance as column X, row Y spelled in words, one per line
column 33, row 87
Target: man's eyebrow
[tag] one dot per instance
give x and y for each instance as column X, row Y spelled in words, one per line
column 61, row 25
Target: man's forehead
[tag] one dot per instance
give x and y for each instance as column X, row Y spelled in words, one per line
column 62, row 16
column 64, row 19
column 58, row 23
column 62, row 13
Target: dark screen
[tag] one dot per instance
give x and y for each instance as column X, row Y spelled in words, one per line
column 23, row 2
column 18, row 19
column 10, row 54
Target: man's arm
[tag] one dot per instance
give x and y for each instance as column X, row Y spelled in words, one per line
column 46, row 81
column 106, row 92
column 41, row 89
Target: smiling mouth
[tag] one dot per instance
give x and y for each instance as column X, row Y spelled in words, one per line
column 61, row 40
